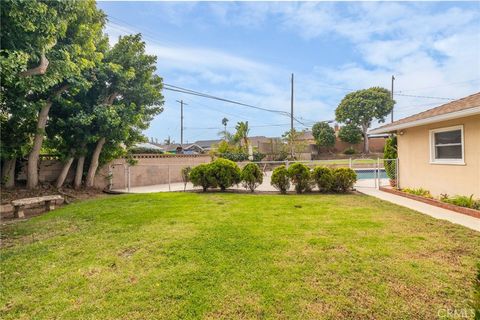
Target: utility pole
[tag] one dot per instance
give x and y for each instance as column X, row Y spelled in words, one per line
column 291, row 108
column 181, row 121
column 393, row 79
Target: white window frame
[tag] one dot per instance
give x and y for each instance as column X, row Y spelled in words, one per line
column 434, row 160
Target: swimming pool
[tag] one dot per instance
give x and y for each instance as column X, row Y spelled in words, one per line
column 370, row 174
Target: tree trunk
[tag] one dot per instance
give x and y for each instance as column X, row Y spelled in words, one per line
column 94, row 163
column 64, row 173
column 8, row 172
column 366, row 148
column 77, row 183
column 32, row 167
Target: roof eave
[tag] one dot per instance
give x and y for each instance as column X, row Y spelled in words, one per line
column 442, row 117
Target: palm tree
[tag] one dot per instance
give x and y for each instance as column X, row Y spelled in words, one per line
column 224, row 122
column 242, row 132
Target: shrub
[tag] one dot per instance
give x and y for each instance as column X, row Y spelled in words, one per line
column 223, row 173
column 280, row 180
column 463, row 201
column 252, row 176
column 300, row 176
column 323, row 177
column 234, row 156
column 349, row 150
column 350, row 133
column 186, row 176
column 418, row 192
column 258, row 156
column 343, row 179
column 390, row 153
column 199, row 176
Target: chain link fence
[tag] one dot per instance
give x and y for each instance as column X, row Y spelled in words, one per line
column 168, row 177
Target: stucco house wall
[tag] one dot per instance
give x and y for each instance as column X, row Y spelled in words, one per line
column 416, row 171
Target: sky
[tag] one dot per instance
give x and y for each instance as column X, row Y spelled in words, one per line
column 247, row 51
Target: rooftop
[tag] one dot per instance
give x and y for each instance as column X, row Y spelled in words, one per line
column 469, row 105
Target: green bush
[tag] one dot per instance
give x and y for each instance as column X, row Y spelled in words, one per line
column 223, row 173
column 280, row 180
column 252, row 176
column 199, row 176
column 349, row 151
column 241, row 156
column 390, row 153
column 343, row 179
column 323, row 177
column 418, row 192
column 258, row 156
column 463, row 201
column 234, row 156
column 300, row 176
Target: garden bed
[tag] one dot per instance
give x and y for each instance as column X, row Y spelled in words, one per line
column 434, row 202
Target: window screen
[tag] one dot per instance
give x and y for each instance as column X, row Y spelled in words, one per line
column 448, row 144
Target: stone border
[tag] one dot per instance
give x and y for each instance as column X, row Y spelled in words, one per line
column 434, row 202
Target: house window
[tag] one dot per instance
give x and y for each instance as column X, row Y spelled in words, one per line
column 447, row 145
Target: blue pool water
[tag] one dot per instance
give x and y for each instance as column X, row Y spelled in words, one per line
column 370, row 174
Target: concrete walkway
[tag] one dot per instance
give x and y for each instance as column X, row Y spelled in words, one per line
column 436, row 212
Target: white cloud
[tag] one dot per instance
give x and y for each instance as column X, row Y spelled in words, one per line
column 426, row 50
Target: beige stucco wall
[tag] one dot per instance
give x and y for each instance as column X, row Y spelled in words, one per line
column 150, row 169
column 416, row 171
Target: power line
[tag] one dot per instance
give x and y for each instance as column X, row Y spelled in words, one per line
column 424, row 97
column 257, row 126
column 204, row 95
column 441, row 85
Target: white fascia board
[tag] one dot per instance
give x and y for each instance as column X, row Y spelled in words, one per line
column 421, row 122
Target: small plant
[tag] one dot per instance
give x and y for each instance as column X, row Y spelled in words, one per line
column 463, row 201
column 323, row 177
column 280, row 179
column 300, row 176
column 390, row 164
column 349, row 150
column 186, row 176
column 343, row 179
column 252, row 176
column 418, row 192
column 223, row 173
column 199, row 176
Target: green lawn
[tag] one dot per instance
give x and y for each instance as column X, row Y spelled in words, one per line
column 185, row 255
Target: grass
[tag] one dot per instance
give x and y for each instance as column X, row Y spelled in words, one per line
column 209, row 256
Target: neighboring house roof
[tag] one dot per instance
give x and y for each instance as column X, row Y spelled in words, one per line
column 464, row 107
column 186, row 147
column 206, row 143
column 147, row 145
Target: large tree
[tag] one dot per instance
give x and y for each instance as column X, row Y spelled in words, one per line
column 125, row 98
column 324, row 134
column 56, row 40
column 362, row 107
